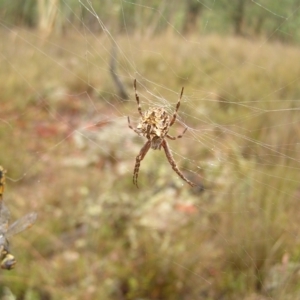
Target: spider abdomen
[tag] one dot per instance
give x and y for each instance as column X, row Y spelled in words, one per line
column 156, row 143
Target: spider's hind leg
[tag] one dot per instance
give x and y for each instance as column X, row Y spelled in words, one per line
column 138, row 160
column 173, row 163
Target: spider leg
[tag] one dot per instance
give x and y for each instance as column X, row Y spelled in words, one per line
column 137, row 98
column 177, row 137
column 129, row 125
column 173, row 163
column 176, row 109
column 138, row 160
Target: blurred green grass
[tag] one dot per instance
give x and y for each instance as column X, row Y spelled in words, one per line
column 97, row 236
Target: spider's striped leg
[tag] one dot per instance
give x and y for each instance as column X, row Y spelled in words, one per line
column 129, row 125
column 176, row 109
column 137, row 98
column 138, row 160
column 173, row 163
column 176, row 137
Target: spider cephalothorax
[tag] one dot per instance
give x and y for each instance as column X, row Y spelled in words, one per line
column 154, row 125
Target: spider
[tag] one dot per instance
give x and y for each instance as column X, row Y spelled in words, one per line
column 154, row 125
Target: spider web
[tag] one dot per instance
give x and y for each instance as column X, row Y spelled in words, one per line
column 70, row 154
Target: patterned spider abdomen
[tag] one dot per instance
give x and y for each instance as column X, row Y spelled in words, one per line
column 154, row 125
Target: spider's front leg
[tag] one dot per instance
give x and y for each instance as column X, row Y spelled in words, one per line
column 129, row 125
column 176, row 137
column 137, row 98
column 138, row 160
column 176, row 109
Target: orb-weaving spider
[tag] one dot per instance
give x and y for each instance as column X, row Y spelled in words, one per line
column 154, row 125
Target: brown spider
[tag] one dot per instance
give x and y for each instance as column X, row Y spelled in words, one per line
column 154, row 125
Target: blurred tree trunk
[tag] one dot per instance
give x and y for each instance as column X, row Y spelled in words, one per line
column 47, row 14
column 193, row 11
column 155, row 25
column 259, row 25
column 129, row 20
column 238, row 16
